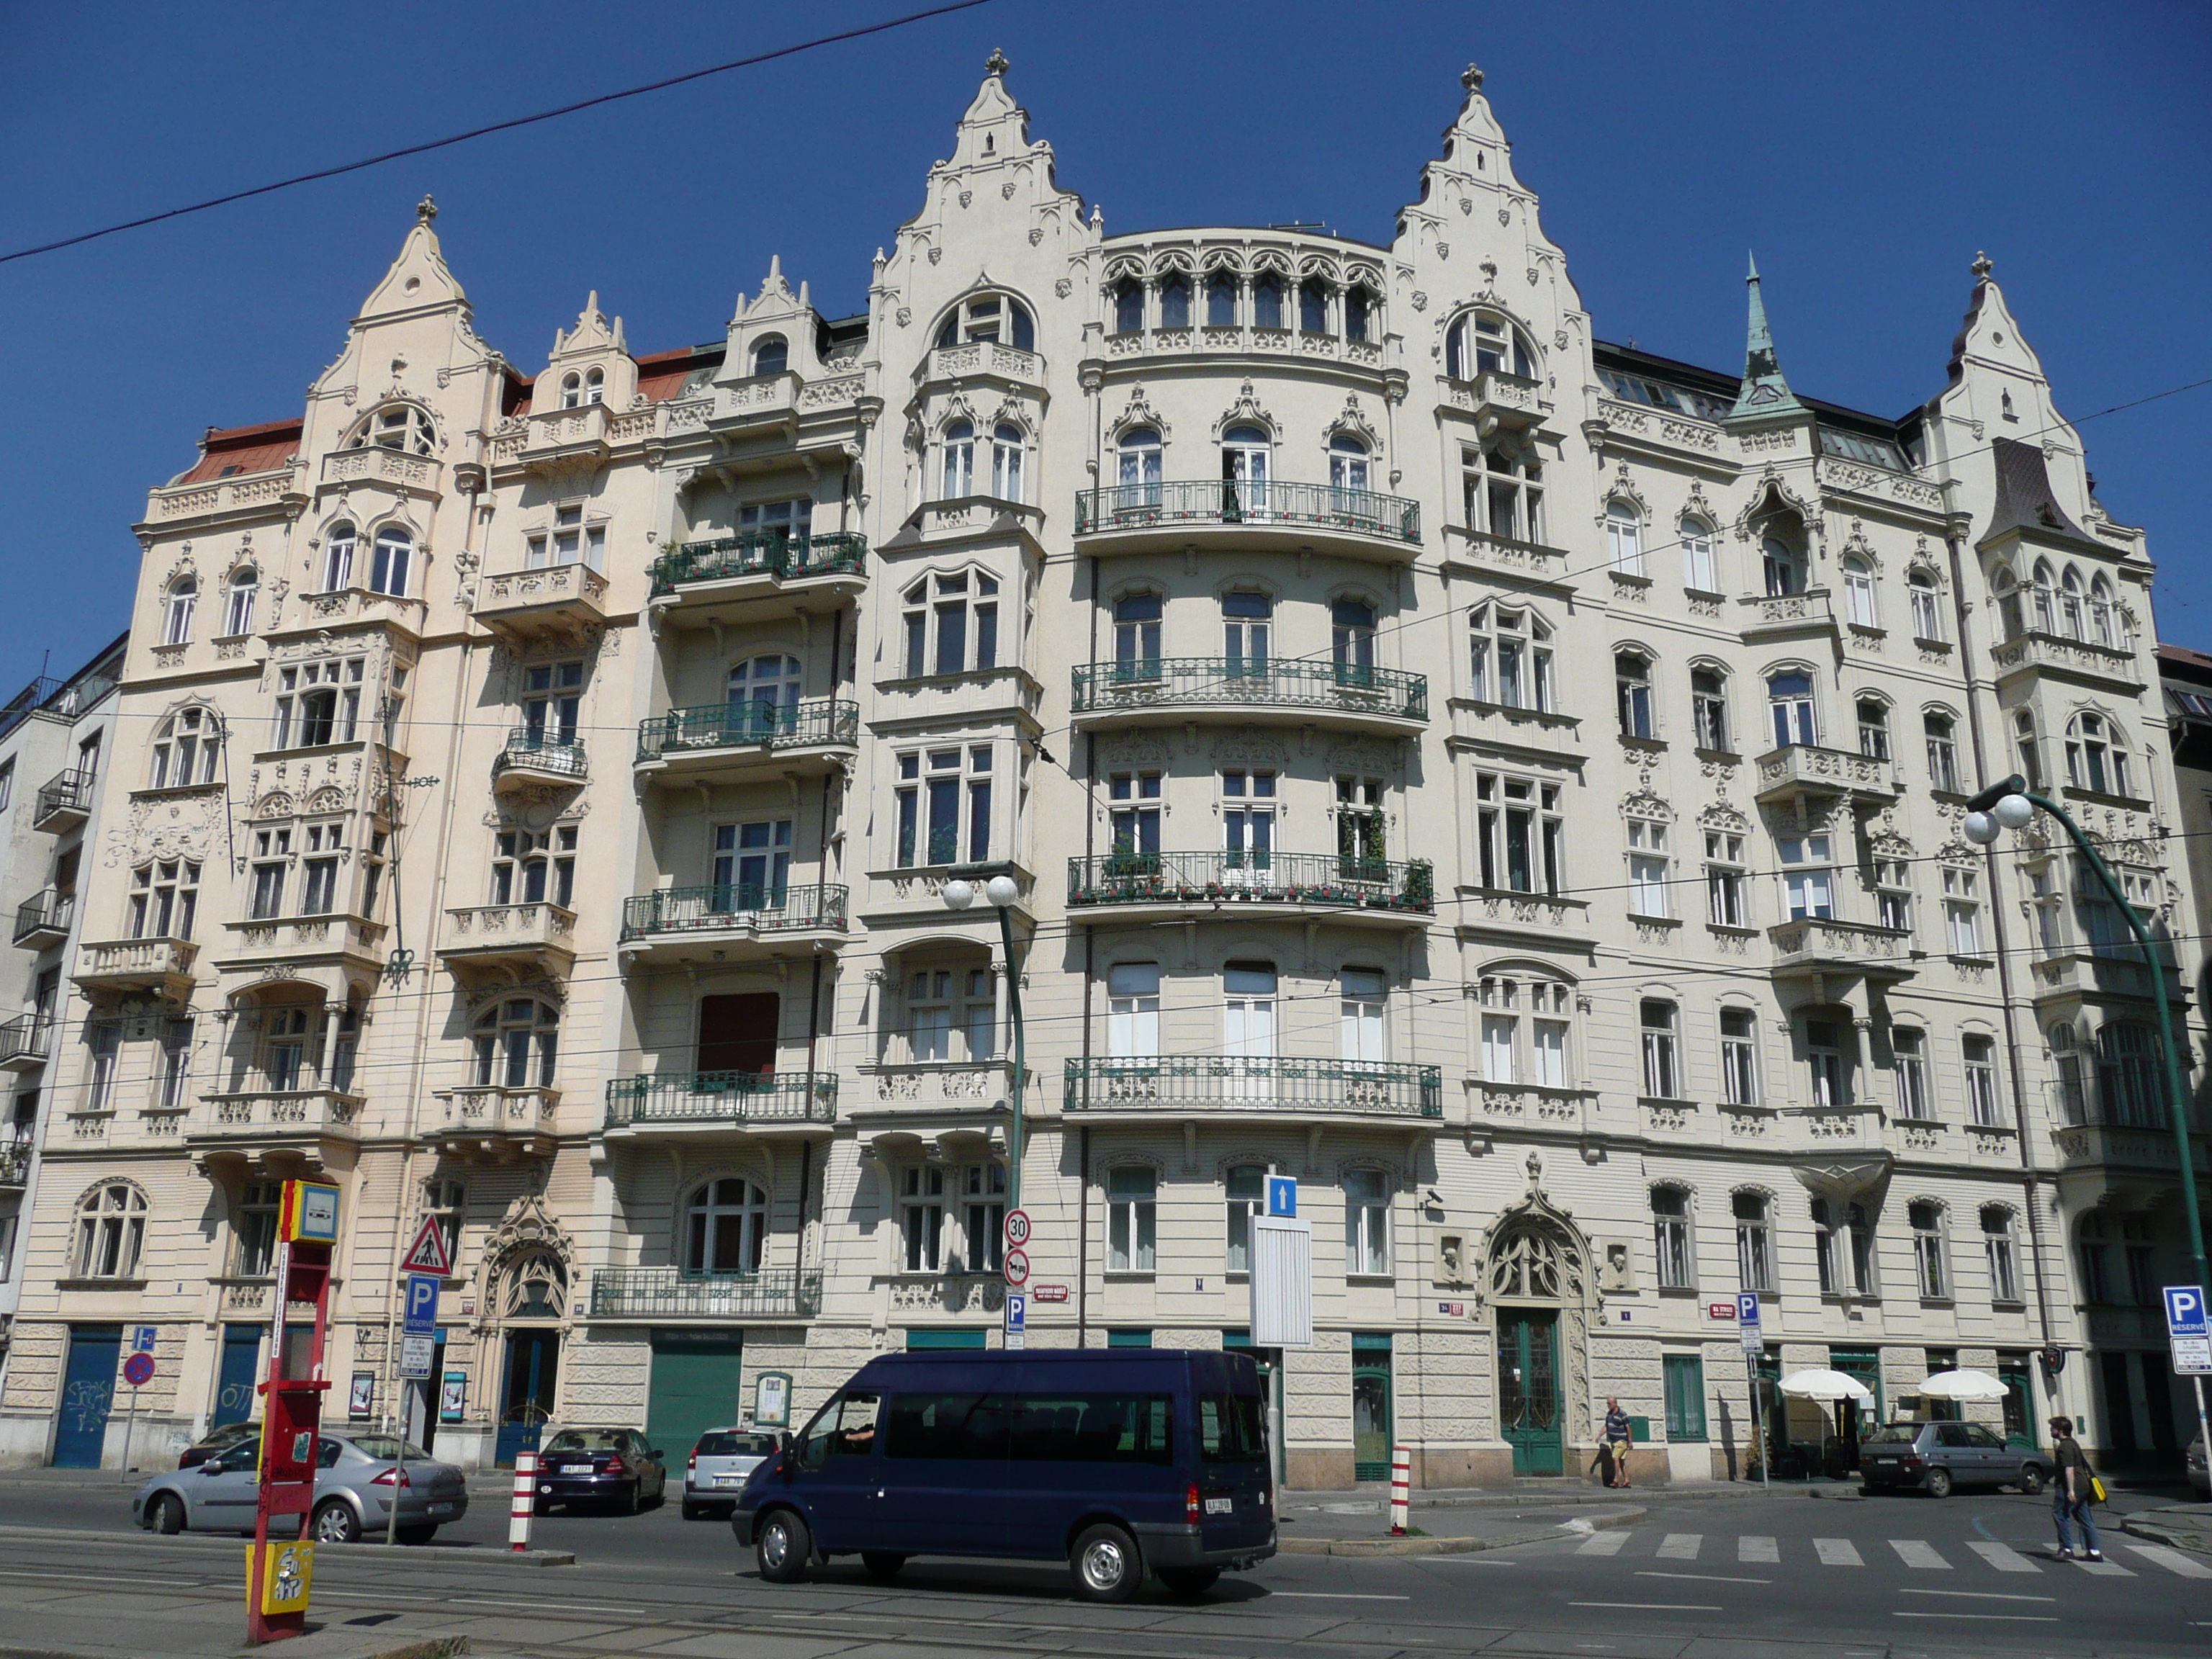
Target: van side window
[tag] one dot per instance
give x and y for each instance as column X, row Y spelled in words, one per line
column 1230, row 1428
column 846, row 1428
column 947, row 1426
column 1093, row 1428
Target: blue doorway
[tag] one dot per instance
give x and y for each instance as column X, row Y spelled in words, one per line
column 532, row 1362
column 87, row 1390
column 235, row 1383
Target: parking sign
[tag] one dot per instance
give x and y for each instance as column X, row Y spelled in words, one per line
column 421, row 1315
column 2186, row 1333
column 1746, row 1321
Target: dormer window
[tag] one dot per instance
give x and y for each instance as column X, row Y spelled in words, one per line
column 1484, row 343
column 578, row 390
column 772, row 355
column 400, row 427
column 989, row 317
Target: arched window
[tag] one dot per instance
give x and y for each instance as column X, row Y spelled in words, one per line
column 1352, row 639
column 1510, row 657
column 2046, row 601
column 771, row 354
column 1874, row 728
column 185, row 750
column 1858, row 593
column 1485, row 343
column 1784, row 572
column 1927, row 605
column 1624, row 539
column 1140, row 467
column 1359, row 313
column 1670, row 1228
column 1503, row 489
column 764, row 695
column 399, row 426
column 1790, row 703
column 177, row 610
column 1699, row 569
column 1129, row 307
column 572, row 390
column 2105, row 627
column 989, row 317
column 1245, row 454
column 238, row 612
column 1006, row 462
column 1313, row 307
column 1942, row 733
column 1267, row 301
column 387, row 571
column 1175, row 301
column 516, row 1043
column 1709, row 708
column 2128, row 1080
column 1220, row 300
column 2028, row 744
column 1631, row 686
column 726, row 1230
column 110, row 1231
column 2070, row 605
column 1925, row 1217
column 1347, row 464
column 2006, row 589
column 595, row 386
column 337, row 557
column 2095, row 757
column 959, row 472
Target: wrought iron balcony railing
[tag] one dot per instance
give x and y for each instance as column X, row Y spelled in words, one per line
column 46, row 911
column 635, row 1292
column 540, row 750
column 1234, row 1081
column 28, row 1037
column 1245, row 878
column 737, row 725
column 64, row 792
column 762, row 553
column 712, row 909
column 1216, row 500
column 722, row 1097
column 1272, row 682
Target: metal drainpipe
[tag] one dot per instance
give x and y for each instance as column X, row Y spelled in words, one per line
column 2006, row 1003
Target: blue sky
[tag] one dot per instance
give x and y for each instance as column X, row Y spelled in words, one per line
column 1864, row 152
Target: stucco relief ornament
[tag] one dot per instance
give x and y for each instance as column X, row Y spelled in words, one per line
column 1420, row 300
column 1063, row 287
column 1037, row 234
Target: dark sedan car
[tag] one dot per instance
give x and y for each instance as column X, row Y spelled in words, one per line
column 215, row 1443
column 1940, row 1457
column 613, row 1467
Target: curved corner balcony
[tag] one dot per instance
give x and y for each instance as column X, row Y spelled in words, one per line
column 1193, row 1084
column 698, row 583
column 1300, row 885
column 745, row 742
column 538, row 758
column 679, row 1105
column 1274, row 691
column 1288, row 518
column 700, row 925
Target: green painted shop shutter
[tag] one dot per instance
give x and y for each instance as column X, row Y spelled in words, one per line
column 698, row 1384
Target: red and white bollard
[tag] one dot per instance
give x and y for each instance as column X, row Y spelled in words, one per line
column 1401, row 1486
column 526, row 1500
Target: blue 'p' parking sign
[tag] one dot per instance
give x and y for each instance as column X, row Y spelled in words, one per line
column 2187, row 1334
column 421, row 1313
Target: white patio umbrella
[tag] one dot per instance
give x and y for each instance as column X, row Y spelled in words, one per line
column 1963, row 1385
column 1826, row 1387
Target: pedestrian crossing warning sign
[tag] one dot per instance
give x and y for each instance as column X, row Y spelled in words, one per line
column 427, row 1254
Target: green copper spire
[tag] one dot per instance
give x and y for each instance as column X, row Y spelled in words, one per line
column 1765, row 390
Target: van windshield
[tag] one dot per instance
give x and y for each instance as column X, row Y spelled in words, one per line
column 1230, row 1428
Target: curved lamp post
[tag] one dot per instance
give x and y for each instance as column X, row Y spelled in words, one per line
column 1001, row 892
column 2010, row 805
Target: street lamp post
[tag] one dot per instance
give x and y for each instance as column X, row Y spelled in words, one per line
column 1001, row 892
column 2010, row 805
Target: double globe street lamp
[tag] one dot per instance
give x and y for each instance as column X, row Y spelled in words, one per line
column 1001, row 892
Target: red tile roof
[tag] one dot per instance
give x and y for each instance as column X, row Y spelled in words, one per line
column 662, row 376
column 233, row 450
column 2181, row 656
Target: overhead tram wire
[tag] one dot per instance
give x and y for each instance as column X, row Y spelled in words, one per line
column 507, row 126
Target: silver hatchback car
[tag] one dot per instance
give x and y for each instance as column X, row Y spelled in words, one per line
column 1940, row 1458
column 354, row 1485
column 719, row 1466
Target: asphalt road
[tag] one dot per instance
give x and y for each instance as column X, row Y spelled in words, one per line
column 1734, row 1578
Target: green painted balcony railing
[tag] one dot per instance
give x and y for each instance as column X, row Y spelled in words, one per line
column 620, row 1292
column 1273, row 681
column 540, row 750
column 722, row 1097
column 762, row 553
column 1223, row 878
column 1216, row 500
column 1172, row 1082
column 738, row 724
column 712, row 909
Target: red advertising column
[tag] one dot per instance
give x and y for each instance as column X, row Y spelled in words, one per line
column 280, row 1563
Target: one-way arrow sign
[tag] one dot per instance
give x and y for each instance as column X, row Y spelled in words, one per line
column 427, row 1254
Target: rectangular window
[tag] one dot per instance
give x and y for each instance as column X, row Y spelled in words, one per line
column 1996, row 1247
column 1135, row 815
column 1754, row 1253
column 1962, row 912
column 1892, row 882
column 318, row 893
column 106, row 1043
column 1980, row 1052
column 1824, row 1054
column 1647, row 868
column 1685, row 1377
column 1662, row 1068
column 553, row 697
column 921, row 1218
column 1725, row 878
column 1519, row 834
column 1928, row 1250
column 1670, row 1226
column 1366, row 1222
column 1248, row 1197
column 1248, row 821
column 982, row 1217
column 1133, row 1010
column 1498, row 1046
column 1807, row 875
column 1362, row 1002
column 1131, row 1222
column 907, row 802
column 1548, row 1052
column 267, row 891
column 255, row 1229
column 1909, row 1050
column 1739, row 1057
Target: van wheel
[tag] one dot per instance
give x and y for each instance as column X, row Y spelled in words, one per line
column 2031, row 1479
column 1189, row 1582
column 1106, row 1565
column 168, row 1516
column 784, row 1545
column 1939, row 1483
column 882, row 1564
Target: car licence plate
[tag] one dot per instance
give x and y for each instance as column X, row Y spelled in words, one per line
column 729, row 1480
column 442, row 1509
column 576, row 1468
column 1219, row 1505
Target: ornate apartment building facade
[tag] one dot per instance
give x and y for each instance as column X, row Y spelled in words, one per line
column 1509, row 781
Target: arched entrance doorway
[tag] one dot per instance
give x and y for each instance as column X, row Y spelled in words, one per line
column 1538, row 1285
column 533, row 1301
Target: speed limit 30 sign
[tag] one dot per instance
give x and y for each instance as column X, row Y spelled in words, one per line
column 1018, row 1229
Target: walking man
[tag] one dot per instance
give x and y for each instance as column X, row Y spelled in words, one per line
column 1619, row 1439
column 2070, row 1497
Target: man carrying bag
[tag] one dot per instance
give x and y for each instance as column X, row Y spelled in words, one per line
column 2071, row 1495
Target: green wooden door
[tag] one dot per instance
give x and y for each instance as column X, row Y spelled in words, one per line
column 1529, row 1390
column 2019, row 1400
column 698, row 1378
column 1371, row 1421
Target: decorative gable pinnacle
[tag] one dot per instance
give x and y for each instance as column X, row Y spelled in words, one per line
column 1766, row 391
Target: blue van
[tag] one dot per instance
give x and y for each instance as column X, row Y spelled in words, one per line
column 1119, row 1462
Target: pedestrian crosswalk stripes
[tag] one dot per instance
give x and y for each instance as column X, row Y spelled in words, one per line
column 1916, row 1555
